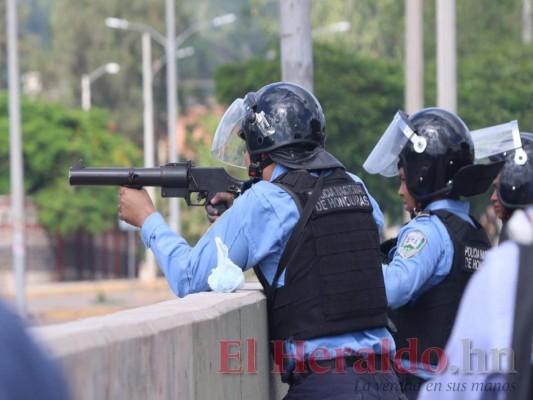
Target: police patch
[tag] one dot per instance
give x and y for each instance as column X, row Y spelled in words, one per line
column 411, row 244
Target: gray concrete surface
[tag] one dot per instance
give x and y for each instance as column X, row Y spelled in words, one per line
column 168, row 350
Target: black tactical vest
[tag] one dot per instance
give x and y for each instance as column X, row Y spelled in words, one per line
column 333, row 278
column 430, row 318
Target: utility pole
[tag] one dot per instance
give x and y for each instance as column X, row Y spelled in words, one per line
column 296, row 42
column 16, row 172
column 149, row 269
column 446, row 55
column 172, row 107
column 414, row 61
column 414, row 56
column 527, row 21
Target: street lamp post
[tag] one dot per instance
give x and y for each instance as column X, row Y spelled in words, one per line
column 87, row 79
column 173, row 51
column 172, row 103
column 16, row 159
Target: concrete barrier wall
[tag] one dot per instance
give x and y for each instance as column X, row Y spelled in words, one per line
column 171, row 350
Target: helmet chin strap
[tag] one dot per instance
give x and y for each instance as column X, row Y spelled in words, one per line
column 257, row 165
column 419, row 208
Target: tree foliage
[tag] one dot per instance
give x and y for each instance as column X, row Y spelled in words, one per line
column 54, row 139
column 358, row 74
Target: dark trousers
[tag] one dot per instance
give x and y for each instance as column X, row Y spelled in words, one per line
column 411, row 385
column 345, row 385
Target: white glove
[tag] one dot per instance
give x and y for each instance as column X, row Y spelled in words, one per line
column 226, row 277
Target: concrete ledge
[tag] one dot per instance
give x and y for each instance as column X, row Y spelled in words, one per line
column 170, row 350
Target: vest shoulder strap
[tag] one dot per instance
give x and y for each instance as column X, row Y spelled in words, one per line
column 296, row 233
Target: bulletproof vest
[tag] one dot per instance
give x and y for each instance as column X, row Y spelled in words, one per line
column 333, row 278
column 429, row 319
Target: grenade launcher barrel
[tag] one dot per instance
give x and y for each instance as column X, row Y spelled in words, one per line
column 175, row 180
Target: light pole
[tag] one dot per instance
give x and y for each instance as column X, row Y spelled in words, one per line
column 173, row 51
column 182, row 52
column 87, row 79
column 216, row 22
column 16, row 172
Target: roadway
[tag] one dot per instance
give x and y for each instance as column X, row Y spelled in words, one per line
column 56, row 302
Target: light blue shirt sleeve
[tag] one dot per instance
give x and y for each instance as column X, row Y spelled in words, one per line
column 411, row 273
column 255, row 230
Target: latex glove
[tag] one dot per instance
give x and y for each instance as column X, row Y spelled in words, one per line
column 226, row 277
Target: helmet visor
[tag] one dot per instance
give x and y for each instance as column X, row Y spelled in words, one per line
column 496, row 140
column 384, row 157
column 229, row 145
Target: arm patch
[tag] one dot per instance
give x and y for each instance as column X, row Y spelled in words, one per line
column 411, row 244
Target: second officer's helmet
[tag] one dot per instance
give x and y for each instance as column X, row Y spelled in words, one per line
column 449, row 147
column 435, row 148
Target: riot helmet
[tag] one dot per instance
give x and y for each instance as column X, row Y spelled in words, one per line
column 514, row 150
column 449, row 148
column 282, row 119
column 516, row 176
column 282, row 114
column 436, row 151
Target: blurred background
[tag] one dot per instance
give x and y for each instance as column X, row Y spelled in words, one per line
column 82, row 97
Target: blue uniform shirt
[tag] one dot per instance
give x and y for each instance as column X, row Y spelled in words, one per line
column 255, row 230
column 423, row 256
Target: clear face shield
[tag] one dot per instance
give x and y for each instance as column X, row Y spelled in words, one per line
column 228, row 144
column 499, row 140
column 384, row 157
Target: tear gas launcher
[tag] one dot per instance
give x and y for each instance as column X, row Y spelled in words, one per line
column 197, row 185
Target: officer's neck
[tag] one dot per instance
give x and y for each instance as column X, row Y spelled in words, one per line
column 267, row 172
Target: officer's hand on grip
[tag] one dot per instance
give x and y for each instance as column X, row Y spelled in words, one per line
column 218, row 204
column 134, row 206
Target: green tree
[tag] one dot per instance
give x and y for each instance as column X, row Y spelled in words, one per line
column 494, row 82
column 54, row 139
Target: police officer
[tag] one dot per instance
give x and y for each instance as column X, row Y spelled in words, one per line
column 310, row 231
column 511, row 186
column 489, row 351
column 438, row 250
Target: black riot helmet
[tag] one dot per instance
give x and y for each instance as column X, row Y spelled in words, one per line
column 449, row 148
column 516, row 177
column 283, row 114
column 284, row 121
column 435, row 148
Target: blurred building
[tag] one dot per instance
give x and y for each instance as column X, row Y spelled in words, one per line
column 49, row 257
